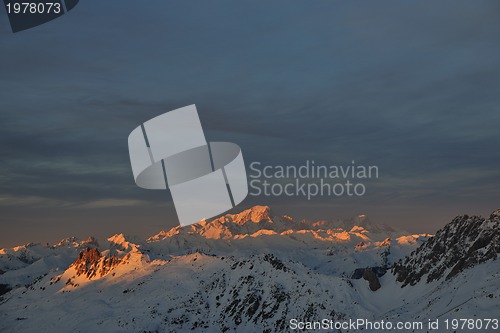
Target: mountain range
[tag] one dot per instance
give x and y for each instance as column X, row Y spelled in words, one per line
column 253, row 272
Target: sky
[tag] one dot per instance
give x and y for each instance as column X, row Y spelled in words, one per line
column 412, row 87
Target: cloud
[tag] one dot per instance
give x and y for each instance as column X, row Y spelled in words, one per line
column 48, row 203
column 391, row 83
column 31, row 201
column 108, row 203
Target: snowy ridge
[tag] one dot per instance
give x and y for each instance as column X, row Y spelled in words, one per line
column 21, row 265
column 247, row 272
column 461, row 244
column 257, row 226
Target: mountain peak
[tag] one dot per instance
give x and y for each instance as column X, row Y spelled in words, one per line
column 117, row 238
column 121, row 242
column 93, row 264
column 496, row 213
column 254, row 214
column 461, row 244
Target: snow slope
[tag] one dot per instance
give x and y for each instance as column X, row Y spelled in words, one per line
column 247, row 272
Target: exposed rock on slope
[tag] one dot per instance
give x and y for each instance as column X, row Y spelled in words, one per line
column 461, row 244
column 370, row 276
column 92, row 263
column 257, row 273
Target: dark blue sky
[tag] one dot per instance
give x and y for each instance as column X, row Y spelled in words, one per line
column 410, row 86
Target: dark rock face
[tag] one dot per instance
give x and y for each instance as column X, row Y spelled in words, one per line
column 371, row 274
column 461, row 244
column 4, row 288
column 275, row 262
column 373, row 282
column 377, row 270
column 92, row 263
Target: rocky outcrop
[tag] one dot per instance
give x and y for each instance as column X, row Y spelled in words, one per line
column 370, row 274
column 92, row 263
column 461, row 244
column 4, row 288
column 373, row 282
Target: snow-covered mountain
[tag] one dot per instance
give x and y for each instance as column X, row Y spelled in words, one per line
column 252, row 272
column 463, row 243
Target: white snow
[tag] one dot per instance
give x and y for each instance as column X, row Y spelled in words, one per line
column 245, row 276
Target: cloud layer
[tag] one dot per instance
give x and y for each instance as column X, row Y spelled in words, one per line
column 410, row 87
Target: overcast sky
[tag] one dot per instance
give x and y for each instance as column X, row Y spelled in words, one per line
column 410, row 86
